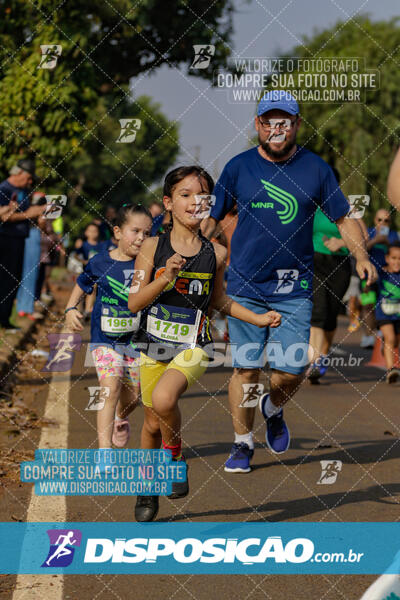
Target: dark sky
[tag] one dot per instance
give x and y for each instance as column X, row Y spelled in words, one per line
column 212, row 129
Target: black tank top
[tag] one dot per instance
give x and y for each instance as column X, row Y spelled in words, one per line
column 178, row 319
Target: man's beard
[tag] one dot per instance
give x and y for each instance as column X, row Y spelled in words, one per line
column 272, row 153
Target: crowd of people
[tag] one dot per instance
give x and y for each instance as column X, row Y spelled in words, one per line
column 168, row 276
column 337, row 287
column 271, row 246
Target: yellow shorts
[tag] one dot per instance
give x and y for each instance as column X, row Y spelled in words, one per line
column 191, row 362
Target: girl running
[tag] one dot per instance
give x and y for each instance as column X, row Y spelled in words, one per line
column 85, row 250
column 181, row 277
column 112, row 323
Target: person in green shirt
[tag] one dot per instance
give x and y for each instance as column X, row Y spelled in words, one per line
column 332, row 272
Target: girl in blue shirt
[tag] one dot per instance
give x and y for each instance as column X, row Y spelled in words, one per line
column 112, row 324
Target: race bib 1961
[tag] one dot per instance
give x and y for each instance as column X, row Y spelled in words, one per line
column 118, row 321
column 173, row 325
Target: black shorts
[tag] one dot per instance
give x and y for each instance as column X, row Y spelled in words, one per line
column 396, row 324
column 331, row 279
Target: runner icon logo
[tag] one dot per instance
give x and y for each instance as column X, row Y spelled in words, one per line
column 62, row 348
column 97, row 397
column 128, row 274
column 129, row 128
column 134, row 281
column 278, row 129
column 204, row 204
column 61, row 551
column 50, row 55
column 358, row 204
column 286, row 280
column 330, row 470
column 202, row 55
column 54, row 206
column 251, row 394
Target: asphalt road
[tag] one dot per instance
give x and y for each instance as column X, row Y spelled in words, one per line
column 351, row 416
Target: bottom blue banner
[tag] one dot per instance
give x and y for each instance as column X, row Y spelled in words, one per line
column 213, row 548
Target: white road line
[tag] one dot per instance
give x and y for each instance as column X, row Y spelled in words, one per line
column 48, row 508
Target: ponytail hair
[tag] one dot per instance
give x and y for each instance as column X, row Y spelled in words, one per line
column 126, row 210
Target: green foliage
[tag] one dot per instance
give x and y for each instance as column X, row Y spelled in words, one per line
column 359, row 139
column 113, row 173
column 68, row 117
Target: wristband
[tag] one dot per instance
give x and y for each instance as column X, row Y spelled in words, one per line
column 70, row 308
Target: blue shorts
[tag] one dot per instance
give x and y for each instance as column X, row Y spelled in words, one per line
column 284, row 348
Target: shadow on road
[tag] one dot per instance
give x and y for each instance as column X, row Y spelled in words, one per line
column 298, row 508
column 361, row 452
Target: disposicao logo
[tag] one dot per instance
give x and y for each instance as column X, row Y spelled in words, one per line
column 191, row 550
column 62, row 547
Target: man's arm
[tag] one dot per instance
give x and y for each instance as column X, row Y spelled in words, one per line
column 224, row 201
column 393, row 184
column 208, row 226
column 352, row 236
column 30, row 213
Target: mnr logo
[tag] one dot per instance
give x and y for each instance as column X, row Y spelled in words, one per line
column 288, row 203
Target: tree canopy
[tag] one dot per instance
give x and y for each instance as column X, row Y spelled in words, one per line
column 68, row 116
column 359, row 139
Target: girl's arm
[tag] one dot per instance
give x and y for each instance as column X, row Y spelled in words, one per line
column 72, row 317
column 84, row 286
column 226, row 305
column 144, row 291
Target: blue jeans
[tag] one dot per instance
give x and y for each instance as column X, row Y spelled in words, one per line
column 27, row 288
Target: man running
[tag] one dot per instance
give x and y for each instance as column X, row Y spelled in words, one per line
column 277, row 186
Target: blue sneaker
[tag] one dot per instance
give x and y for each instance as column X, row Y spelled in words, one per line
column 239, row 459
column 317, row 369
column 277, row 435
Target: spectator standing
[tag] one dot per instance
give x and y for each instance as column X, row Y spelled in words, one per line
column 14, row 228
column 30, row 269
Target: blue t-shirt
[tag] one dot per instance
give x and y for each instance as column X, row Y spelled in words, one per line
column 20, row 229
column 107, row 245
column 272, row 246
column 377, row 252
column 88, row 250
column 112, row 323
column 388, row 304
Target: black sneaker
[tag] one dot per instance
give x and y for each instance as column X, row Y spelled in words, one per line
column 180, row 489
column 146, row 508
column 392, row 375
